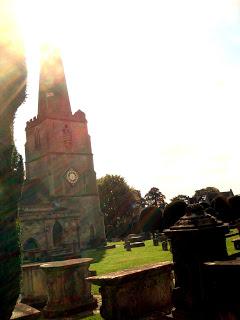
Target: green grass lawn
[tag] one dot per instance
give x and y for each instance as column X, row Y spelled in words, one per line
column 111, row 260
column 229, row 243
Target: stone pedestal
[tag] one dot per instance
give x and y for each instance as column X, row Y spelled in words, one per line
column 33, row 285
column 67, row 290
column 196, row 238
column 131, row 294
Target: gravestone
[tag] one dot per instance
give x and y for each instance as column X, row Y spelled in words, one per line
column 155, row 239
column 165, row 246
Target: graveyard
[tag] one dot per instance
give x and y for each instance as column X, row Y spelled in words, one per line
column 118, row 261
column 75, row 245
column 172, row 260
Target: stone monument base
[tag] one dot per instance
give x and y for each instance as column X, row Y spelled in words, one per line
column 63, row 311
column 68, row 291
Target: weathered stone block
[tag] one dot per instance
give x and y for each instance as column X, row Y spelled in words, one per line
column 68, row 291
column 133, row 293
column 33, row 289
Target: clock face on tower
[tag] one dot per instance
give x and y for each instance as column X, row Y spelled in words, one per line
column 72, row 176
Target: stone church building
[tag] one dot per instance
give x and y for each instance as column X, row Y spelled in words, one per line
column 59, row 211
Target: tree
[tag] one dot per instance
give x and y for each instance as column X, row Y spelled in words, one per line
column 154, row 198
column 17, row 175
column 234, row 203
column 13, row 91
column 140, row 201
column 117, row 202
column 150, row 220
column 222, row 208
column 181, row 197
column 173, row 212
column 201, row 194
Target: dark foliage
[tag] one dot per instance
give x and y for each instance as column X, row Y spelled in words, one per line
column 173, row 212
column 150, row 220
column 201, row 194
column 234, row 203
column 117, row 202
column 182, row 197
column 222, row 208
column 12, row 88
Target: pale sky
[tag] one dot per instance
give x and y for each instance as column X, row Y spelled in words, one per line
column 159, row 83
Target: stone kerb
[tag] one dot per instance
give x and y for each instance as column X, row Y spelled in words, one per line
column 33, row 288
column 133, row 293
column 68, row 291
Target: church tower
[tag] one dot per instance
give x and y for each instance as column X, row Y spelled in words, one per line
column 59, row 211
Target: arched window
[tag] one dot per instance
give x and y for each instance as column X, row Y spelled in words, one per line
column 30, row 244
column 57, row 234
column 37, row 138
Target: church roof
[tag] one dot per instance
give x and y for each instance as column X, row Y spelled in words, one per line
column 212, row 195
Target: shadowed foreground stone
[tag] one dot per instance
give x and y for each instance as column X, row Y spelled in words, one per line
column 133, row 293
column 25, row 312
column 222, row 282
column 33, row 289
column 68, row 291
column 195, row 238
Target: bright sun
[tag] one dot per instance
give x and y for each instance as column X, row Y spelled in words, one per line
column 41, row 20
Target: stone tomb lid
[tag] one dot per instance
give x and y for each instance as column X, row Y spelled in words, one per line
column 31, row 265
column 235, row 263
column 66, row 263
column 126, row 275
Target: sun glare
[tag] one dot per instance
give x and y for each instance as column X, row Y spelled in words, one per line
column 41, row 21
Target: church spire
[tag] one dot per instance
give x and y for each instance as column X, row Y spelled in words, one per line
column 53, row 100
